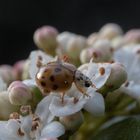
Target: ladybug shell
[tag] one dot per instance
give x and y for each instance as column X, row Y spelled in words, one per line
column 55, row 77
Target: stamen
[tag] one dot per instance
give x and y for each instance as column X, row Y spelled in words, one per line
column 75, row 100
column 20, row 132
column 102, row 70
column 39, row 62
column 26, row 110
column 95, row 55
column 14, row 115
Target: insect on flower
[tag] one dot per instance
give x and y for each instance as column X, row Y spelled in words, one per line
column 59, row 75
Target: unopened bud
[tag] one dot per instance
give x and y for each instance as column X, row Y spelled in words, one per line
column 132, row 36
column 117, row 77
column 19, row 93
column 36, row 93
column 71, row 45
column 92, row 39
column 101, row 51
column 110, row 30
column 6, row 72
column 6, row 108
column 45, row 39
column 25, row 71
column 72, row 122
column 18, row 69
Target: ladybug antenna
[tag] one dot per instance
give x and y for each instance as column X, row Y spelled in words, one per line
column 66, row 58
column 93, row 85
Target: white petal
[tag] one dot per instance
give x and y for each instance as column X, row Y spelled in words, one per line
column 3, row 129
column 53, row 130
column 33, row 61
column 95, row 104
column 67, row 108
column 133, row 90
column 128, row 57
column 43, row 111
column 4, row 133
column 26, row 123
column 13, row 126
column 124, row 56
column 94, row 74
column 9, row 131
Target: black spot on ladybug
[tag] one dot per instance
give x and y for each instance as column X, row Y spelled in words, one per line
column 43, row 77
column 57, row 69
column 52, row 78
column 87, row 84
column 55, row 87
column 43, row 84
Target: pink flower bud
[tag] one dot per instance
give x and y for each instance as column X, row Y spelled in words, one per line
column 132, row 36
column 92, row 39
column 6, row 72
column 71, row 45
column 45, row 39
column 18, row 69
column 101, row 51
column 19, row 93
column 110, row 30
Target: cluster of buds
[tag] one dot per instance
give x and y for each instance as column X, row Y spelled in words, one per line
column 95, row 68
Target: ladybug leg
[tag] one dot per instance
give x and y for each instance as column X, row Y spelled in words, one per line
column 62, row 97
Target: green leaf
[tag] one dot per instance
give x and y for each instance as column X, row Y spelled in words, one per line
column 128, row 129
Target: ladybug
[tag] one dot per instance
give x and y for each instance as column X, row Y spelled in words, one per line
column 59, row 75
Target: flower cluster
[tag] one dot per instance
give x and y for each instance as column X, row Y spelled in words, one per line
column 108, row 59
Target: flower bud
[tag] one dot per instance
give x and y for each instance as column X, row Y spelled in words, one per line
column 110, row 30
column 71, row 45
column 101, row 51
column 6, row 72
column 45, row 39
column 18, row 69
column 132, row 36
column 117, row 42
column 25, row 71
column 92, row 39
column 6, row 108
column 117, row 77
column 36, row 93
column 19, row 93
column 72, row 122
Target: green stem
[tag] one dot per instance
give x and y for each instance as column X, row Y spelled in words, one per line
column 90, row 127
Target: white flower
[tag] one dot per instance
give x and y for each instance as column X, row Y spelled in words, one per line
column 32, row 127
column 74, row 101
column 129, row 56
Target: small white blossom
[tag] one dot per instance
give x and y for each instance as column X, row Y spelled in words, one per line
column 32, row 127
column 129, row 56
